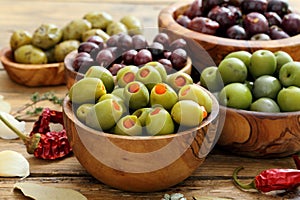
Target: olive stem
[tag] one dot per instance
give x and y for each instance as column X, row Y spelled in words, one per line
column 241, row 185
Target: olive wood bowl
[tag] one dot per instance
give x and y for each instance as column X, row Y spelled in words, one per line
column 219, row 47
column 32, row 75
column 72, row 76
column 141, row 163
column 260, row 134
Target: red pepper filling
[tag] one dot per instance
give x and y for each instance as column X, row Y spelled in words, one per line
column 160, row 89
column 155, row 111
column 144, row 73
column 128, row 123
column 180, row 81
column 128, row 77
column 186, row 91
column 134, row 88
column 116, row 105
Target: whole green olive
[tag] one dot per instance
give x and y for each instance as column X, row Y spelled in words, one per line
column 74, row 29
column 19, row 38
column 64, row 48
column 29, row 54
column 133, row 24
column 115, row 28
column 92, row 32
column 98, row 19
column 46, row 36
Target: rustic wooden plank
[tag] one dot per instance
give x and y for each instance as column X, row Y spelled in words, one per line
column 95, row 190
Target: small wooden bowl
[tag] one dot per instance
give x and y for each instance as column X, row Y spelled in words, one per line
column 32, row 75
column 260, row 134
column 72, row 76
column 141, row 163
column 219, row 47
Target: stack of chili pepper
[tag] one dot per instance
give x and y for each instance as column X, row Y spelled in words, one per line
column 273, row 179
column 42, row 142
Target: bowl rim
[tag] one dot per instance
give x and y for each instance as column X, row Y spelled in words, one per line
column 260, row 114
column 168, row 14
column 7, row 61
column 69, row 112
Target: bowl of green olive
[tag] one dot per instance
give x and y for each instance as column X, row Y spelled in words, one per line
column 144, row 131
column 32, row 75
column 223, row 26
column 261, row 103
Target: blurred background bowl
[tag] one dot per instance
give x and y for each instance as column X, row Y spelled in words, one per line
column 32, row 75
column 141, row 163
column 260, row 134
column 218, row 47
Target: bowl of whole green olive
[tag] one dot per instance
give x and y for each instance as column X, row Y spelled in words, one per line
column 221, row 27
column 261, row 103
column 136, row 133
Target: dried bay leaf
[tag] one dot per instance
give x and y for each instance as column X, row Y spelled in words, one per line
column 13, row 164
column 41, row 192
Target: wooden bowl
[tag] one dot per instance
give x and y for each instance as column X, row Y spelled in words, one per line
column 260, row 134
column 219, row 47
column 141, row 163
column 32, row 75
column 72, row 76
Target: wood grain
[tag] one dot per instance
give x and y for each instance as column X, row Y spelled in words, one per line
column 213, row 178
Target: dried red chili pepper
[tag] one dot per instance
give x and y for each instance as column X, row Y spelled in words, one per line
column 271, row 179
column 42, row 142
column 297, row 161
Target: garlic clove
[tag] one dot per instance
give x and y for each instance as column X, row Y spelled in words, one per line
column 7, row 133
column 13, row 164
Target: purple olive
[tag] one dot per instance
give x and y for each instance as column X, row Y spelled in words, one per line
column 142, row 57
column 249, row 6
column 281, row 7
column 139, row 42
column 204, row 25
column 97, row 40
column 163, row 39
column 128, row 56
column 178, row 43
column 223, row 16
column 291, row 24
column 276, row 33
column 178, row 58
column 255, row 23
column 183, row 20
column 194, row 10
column 236, row 32
column 105, row 57
column 273, row 18
column 87, row 47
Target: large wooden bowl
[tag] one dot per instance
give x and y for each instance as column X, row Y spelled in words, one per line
column 141, row 163
column 72, row 76
column 32, row 75
column 219, row 47
column 260, row 134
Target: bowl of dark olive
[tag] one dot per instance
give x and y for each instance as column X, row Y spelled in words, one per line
column 140, row 135
column 123, row 49
column 221, row 27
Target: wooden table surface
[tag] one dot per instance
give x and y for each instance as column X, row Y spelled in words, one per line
column 213, row 178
